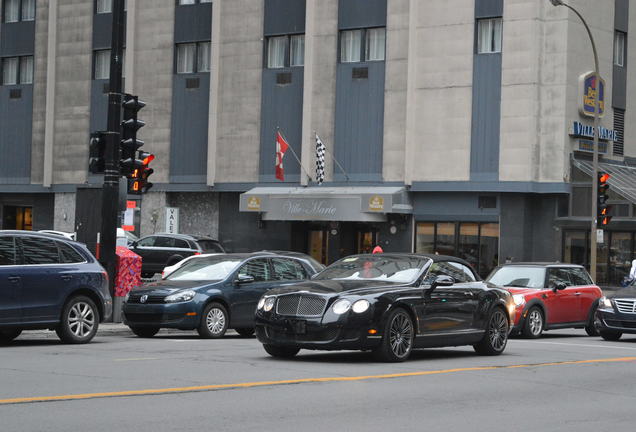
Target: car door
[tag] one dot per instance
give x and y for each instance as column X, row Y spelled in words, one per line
column 145, row 248
column 245, row 296
column 561, row 304
column 10, row 281
column 446, row 309
column 584, row 290
column 44, row 280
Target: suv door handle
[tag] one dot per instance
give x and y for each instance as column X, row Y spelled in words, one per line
column 67, row 277
column 468, row 293
column 14, row 278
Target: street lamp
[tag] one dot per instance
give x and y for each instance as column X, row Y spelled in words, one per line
column 596, row 131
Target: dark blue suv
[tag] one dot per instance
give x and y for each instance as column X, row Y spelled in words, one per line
column 47, row 282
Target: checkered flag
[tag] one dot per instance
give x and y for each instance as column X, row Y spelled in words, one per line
column 320, row 160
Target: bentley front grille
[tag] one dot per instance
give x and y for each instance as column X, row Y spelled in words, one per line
column 300, row 305
column 626, row 305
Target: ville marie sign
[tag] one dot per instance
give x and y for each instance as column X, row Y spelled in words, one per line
column 580, row 130
column 587, row 91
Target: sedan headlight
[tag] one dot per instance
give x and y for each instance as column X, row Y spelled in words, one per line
column 604, row 302
column 261, row 303
column 519, row 299
column 360, row 306
column 269, row 303
column 181, row 296
column 341, row 306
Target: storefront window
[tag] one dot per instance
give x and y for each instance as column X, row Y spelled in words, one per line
column 476, row 243
column 468, row 247
column 575, row 248
column 445, row 239
column 620, row 257
column 488, row 248
column 425, row 240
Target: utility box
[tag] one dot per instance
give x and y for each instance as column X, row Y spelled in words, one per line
column 128, row 277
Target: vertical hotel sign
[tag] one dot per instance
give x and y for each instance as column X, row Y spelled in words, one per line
column 588, row 86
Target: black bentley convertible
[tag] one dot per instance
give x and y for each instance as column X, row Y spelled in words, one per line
column 388, row 303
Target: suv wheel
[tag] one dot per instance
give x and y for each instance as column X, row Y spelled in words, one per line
column 7, row 336
column 281, row 351
column 79, row 322
column 145, row 332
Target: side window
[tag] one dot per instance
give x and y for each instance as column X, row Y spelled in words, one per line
column 579, row 276
column 7, row 250
column 558, row 275
column 181, row 244
column 470, row 276
column 440, row 268
column 146, row 242
column 39, row 251
column 166, row 242
column 456, row 271
column 69, row 255
column 288, row 269
column 258, row 269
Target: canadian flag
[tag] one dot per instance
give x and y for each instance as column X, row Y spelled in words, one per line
column 281, row 148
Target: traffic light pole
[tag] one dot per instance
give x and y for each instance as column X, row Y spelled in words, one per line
column 110, row 191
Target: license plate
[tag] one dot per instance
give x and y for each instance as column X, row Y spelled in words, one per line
column 299, row 327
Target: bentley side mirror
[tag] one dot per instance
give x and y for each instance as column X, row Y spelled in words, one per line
column 243, row 279
column 441, row 280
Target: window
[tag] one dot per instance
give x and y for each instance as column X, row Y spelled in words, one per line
column 375, row 44
column 19, row 10
column 69, row 255
column 165, row 242
column 489, row 35
column 619, row 48
column 558, row 276
column 285, row 51
column 193, row 57
column 191, row 2
column 181, row 244
column 288, row 269
column 350, row 46
column 17, row 70
column 477, row 243
column 618, row 148
column 7, row 250
column 102, row 64
column 258, row 269
column 579, row 276
column 362, row 45
column 297, row 50
column 39, row 251
column 104, row 6
column 147, row 242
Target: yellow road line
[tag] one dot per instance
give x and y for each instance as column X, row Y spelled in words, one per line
column 295, row 381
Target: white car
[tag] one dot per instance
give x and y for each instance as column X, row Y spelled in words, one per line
column 169, row 269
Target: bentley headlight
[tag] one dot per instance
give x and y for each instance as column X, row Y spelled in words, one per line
column 341, row 306
column 519, row 299
column 360, row 306
column 604, row 302
column 181, row 296
column 261, row 303
column 268, row 304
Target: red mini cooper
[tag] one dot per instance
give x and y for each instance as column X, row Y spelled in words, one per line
column 549, row 296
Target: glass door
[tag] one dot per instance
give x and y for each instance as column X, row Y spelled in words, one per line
column 319, row 245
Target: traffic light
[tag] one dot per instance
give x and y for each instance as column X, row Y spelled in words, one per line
column 96, row 147
column 138, row 183
column 129, row 144
column 602, row 209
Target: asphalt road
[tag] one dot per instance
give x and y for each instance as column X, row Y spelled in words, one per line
column 564, row 381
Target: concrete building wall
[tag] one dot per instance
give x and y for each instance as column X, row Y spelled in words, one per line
column 630, row 110
column 239, row 99
column 72, row 92
column 202, row 215
column 153, row 66
column 395, row 86
column 39, row 89
column 443, row 86
column 64, row 212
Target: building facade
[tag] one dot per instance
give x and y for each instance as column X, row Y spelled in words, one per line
column 454, row 127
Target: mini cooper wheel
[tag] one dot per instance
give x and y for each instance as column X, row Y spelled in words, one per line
column 7, row 336
column 397, row 339
column 79, row 321
column 533, row 326
column 214, row 321
column 496, row 337
column 145, row 332
column 610, row 335
column 245, row 332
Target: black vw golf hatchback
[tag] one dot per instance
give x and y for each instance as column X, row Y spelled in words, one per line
column 387, row 303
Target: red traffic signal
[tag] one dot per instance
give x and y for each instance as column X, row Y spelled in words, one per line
column 603, row 209
column 138, row 181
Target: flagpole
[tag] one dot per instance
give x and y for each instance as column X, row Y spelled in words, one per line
column 293, row 152
column 333, row 158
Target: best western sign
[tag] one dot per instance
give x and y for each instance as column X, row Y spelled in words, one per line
column 588, row 86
